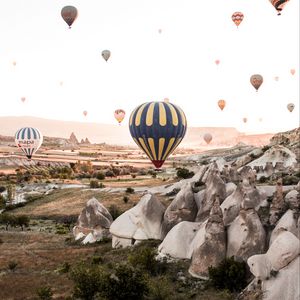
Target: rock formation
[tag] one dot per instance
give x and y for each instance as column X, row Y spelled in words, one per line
column 73, row 139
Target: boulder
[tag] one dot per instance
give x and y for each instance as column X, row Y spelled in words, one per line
column 292, row 198
column 287, row 222
column 142, row 222
column 230, row 188
column 178, row 241
column 210, row 247
column 215, row 186
column 245, row 236
column 94, row 219
column 182, row 208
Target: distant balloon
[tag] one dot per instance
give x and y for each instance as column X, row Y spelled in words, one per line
column 106, row 54
column 237, row 18
column 291, row 107
column 207, row 138
column 245, row 120
column 23, row 99
column 293, row 71
column 221, row 104
column 85, row 113
column 276, row 78
column 119, row 115
column 217, row 62
column 61, row 83
column 69, row 14
column 278, row 4
column 14, row 63
column 159, row 31
column 157, row 128
column 256, row 80
column 260, row 119
column 29, row 140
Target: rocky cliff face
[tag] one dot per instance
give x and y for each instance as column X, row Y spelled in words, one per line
column 73, row 139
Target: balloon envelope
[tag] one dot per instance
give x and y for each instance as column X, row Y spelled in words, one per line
column 29, row 140
column 279, row 5
column 69, row 14
column 245, row 120
column 157, row 128
column 221, row 104
column 106, row 54
column 237, row 18
column 119, row 115
column 23, row 99
column 291, row 107
column 207, row 138
column 293, row 71
column 85, row 113
column 217, row 61
column 276, row 78
column 256, row 80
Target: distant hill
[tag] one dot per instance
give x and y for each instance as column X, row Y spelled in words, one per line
column 119, row 135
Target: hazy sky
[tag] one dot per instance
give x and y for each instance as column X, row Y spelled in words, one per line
column 145, row 65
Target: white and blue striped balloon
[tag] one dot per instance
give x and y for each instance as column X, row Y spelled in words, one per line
column 29, row 140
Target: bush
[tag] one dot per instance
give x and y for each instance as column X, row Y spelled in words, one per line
column 160, row 289
column 130, row 190
column 94, row 184
column 2, row 189
column 114, row 211
column 184, row 173
column 229, row 274
column 262, row 179
column 133, row 175
column 290, row 180
column 100, row 176
column 44, row 293
column 125, row 199
column 12, row 265
column 65, row 268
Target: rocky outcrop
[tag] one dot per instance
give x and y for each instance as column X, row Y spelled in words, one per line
column 292, row 198
column 182, row 208
column 246, row 235
column 93, row 222
column 73, row 139
column 277, row 203
column 142, row 222
column 210, row 247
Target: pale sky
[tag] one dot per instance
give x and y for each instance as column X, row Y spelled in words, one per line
column 178, row 64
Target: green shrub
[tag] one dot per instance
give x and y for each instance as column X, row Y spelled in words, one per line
column 96, row 260
column 229, row 274
column 44, row 293
column 61, row 231
column 114, row 211
column 130, row 190
column 184, row 173
column 160, row 289
column 65, row 268
column 290, row 180
column 125, row 199
column 100, row 175
column 94, row 184
column 133, row 176
column 262, row 179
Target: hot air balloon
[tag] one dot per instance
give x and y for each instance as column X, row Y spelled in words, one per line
column 69, row 14
column 237, row 18
column 85, row 113
column 276, row 78
column 159, row 31
column 245, row 120
column 106, row 54
column 221, row 104
column 157, row 128
column 278, row 4
column 14, row 63
column 61, row 83
column 256, row 80
column 291, row 107
column 260, row 119
column 23, row 99
column 293, row 71
column 207, row 138
column 29, row 140
column 217, row 62
column 119, row 115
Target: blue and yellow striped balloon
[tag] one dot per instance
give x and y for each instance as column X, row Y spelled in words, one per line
column 157, row 128
column 29, row 140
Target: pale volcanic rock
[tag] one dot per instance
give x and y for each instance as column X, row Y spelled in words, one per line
column 215, row 186
column 178, row 241
column 141, row 222
column 73, row 139
column 210, row 247
column 277, row 202
column 182, row 208
column 94, row 219
column 230, row 188
column 246, row 235
column 287, row 222
column 293, row 199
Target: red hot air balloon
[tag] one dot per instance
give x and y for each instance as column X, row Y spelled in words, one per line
column 221, row 104
column 23, row 99
column 217, row 62
column 279, row 5
column 237, row 18
column 256, row 80
column 69, row 14
column 293, row 71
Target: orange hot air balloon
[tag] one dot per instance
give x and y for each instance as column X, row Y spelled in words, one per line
column 119, row 115
column 256, row 80
column 85, row 113
column 207, row 138
column 237, row 18
column 279, row 5
column 69, row 14
column 293, row 71
column 245, row 120
column 23, row 99
column 221, row 104
column 217, row 61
